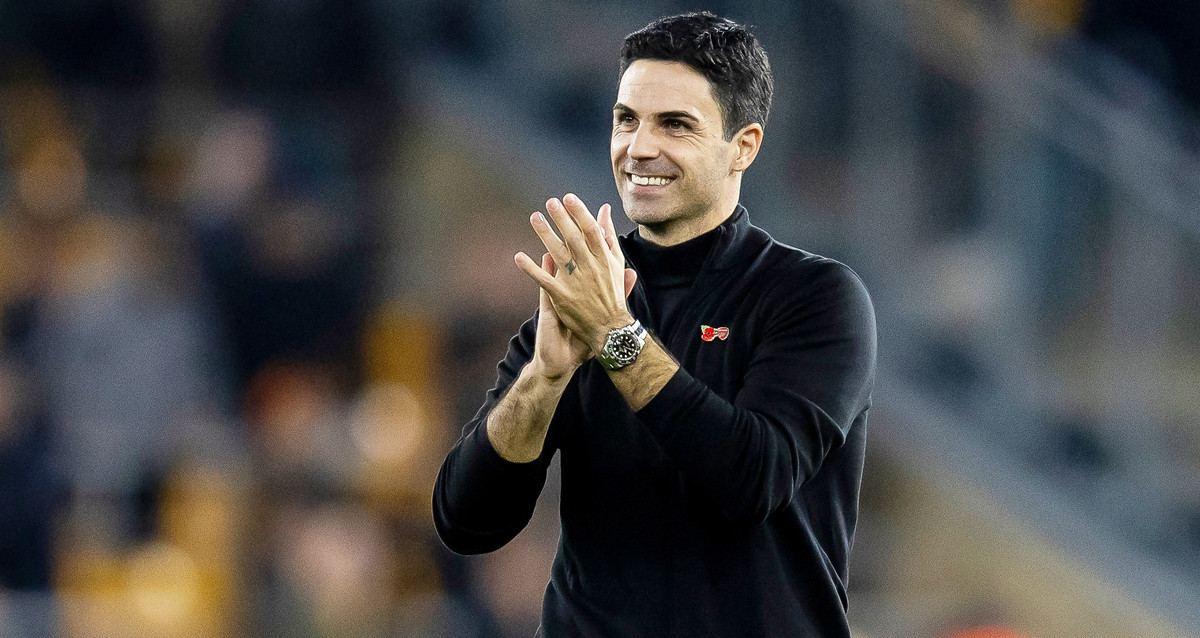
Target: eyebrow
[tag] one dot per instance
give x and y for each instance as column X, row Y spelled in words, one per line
column 665, row 115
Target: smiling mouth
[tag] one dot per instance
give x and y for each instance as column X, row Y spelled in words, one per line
column 650, row 180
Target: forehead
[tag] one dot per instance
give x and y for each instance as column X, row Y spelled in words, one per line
column 655, row 86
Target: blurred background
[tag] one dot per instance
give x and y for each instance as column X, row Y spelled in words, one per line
column 256, row 271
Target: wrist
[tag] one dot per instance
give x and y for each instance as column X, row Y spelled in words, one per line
column 622, row 346
column 618, row 321
column 554, row 378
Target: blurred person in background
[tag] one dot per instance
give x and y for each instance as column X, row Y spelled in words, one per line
column 710, row 403
column 31, row 492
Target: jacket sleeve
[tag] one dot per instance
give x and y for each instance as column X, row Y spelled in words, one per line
column 807, row 381
column 480, row 500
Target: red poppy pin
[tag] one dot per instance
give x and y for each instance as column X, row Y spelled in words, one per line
column 708, row 333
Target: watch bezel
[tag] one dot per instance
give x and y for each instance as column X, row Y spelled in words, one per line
column 622, row 346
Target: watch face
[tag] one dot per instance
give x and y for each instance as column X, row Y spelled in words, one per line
column 624, row 347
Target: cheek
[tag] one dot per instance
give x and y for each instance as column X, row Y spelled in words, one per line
column 617, row 145
column 706, row 168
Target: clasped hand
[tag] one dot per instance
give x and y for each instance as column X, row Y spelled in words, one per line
column 583, row 280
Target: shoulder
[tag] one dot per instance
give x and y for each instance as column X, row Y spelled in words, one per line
column 801, row 284
column 798, row 270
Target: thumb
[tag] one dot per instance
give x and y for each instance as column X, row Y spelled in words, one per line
column 630, row 279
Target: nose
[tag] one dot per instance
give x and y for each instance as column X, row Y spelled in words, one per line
column 642, row 144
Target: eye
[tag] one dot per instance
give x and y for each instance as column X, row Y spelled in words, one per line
column 673, row 124
column 623, row 119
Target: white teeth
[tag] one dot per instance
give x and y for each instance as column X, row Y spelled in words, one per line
column 649, row 181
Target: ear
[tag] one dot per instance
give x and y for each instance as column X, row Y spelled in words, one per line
column 746, row 144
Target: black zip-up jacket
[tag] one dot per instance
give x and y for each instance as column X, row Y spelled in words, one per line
column 726, row 506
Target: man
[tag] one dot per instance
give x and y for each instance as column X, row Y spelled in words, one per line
column 709, row 403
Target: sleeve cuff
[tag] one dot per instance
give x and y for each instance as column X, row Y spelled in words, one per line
column 672, row 404
column 478, row 452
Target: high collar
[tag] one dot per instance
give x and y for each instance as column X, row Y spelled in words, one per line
column 737, row 240
column 670, row 266
column 736, row 245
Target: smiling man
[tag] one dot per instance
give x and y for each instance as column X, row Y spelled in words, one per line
column 706, row 386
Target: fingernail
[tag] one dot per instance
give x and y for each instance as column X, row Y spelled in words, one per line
column 570, row 196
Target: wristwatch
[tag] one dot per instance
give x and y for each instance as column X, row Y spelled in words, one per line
column 622, row 346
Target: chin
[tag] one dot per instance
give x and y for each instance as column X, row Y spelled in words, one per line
column 639, row 213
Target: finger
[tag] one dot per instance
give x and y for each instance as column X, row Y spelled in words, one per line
column 604, row 218
column 630, row 279
column 587, row 224
column 572, row 236
column 542, row 278
column 544, row 306
column 610, row 232
column 557, row 249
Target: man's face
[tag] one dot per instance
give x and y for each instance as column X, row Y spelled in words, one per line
column 669, row 155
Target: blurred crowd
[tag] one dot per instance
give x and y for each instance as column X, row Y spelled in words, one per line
column 214, row 420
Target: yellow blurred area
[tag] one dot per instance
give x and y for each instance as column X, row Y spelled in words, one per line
column 398, row 421
column 205, row 516
column 155, row 590
column 29, row 113
column 1049, row 17
column 402, row 347
column 183, row 582
column 987, row 632
column 398, row 425
column 962, row 555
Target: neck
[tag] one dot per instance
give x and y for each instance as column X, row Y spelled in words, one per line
column 677, row 232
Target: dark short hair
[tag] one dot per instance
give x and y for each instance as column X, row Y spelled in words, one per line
column 722, row 50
